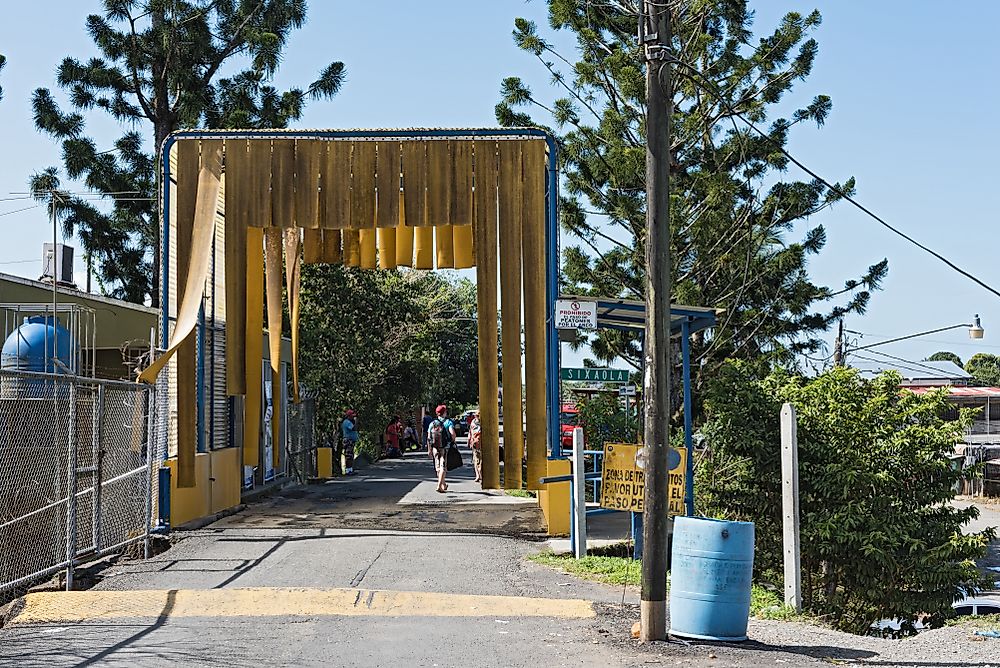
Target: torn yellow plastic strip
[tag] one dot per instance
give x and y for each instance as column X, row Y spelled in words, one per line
column 259, row 182
column 415, row 183
column 236, row 292
column 292, row 278
column 272, row 268
column 186, row 390
column 203, row 229
column 387, row 181
column 335, row 179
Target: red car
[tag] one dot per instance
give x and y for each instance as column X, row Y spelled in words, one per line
column 569, row 419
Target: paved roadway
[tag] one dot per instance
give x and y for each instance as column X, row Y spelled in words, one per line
column 232, row 593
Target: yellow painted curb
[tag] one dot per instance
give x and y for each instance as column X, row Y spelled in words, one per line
column 82, row 606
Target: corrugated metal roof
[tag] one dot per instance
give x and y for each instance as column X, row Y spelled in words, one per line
column 964, row 391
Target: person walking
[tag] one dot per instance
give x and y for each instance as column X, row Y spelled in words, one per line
column 440, row 437
column 393, row 432
column 476, row 444
column 349, row 431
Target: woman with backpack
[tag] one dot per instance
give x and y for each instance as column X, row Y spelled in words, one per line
column 440, row 437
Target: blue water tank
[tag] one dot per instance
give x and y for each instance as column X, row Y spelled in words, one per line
column 710, row 575
column 32, row 347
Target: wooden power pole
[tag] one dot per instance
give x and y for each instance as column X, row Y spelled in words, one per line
column 654, row 35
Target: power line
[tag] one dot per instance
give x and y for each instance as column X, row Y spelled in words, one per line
column 713, row 90
column 27, row 208
column 927, row 367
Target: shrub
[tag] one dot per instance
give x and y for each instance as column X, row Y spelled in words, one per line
column 879, row 538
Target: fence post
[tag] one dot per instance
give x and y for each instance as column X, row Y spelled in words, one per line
column 150, row 459
column 790, row 506
column 71, row 466
column 579, row 496
column 98, row 433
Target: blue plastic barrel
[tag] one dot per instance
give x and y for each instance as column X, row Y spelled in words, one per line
column 710, row 575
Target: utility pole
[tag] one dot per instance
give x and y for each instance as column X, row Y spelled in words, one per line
column 838, row 345
column 654, row 38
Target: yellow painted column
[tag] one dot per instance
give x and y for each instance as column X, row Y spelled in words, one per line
column 485, row 211
column 254, row 346
column 533, row 252
column 510, row 308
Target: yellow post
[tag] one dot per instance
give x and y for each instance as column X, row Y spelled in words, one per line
column 533, row 248
column 510, row 306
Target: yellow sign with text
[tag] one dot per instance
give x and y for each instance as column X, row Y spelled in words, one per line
column 622, row 480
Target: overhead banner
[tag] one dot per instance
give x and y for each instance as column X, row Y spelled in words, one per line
column 574, row 314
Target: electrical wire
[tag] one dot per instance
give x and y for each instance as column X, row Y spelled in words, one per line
column 937, row 372
column 27, row 208
column 713, row 90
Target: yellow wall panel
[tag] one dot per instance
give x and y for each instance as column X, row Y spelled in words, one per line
column 227, row 469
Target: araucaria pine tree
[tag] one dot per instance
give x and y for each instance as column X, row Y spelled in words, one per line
column 159, row 71
column 738, row 241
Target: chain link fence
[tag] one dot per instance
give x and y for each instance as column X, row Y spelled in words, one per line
column 77, row 472
column 301, row 453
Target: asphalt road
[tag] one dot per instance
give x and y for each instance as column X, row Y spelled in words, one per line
column 373, row 570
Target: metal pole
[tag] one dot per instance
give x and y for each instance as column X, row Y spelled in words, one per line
column 71, row 466
column 655, row 38
column 55, row 293
column 688, row 425
column 150, row 459
column 790, row 506
column 98, row 435
column 579, row 524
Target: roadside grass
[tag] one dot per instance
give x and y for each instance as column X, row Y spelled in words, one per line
column 519, row 493
column 621, row 570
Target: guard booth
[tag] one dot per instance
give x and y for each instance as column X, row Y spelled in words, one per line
column 630, row 316
column 242, row 210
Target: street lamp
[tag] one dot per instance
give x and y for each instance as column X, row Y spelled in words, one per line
column 976, row 331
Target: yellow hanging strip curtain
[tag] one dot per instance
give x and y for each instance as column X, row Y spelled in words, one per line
column 237, row 218
column 254, row 347
column 292, row 281
column 510, row 305
column 486, row 307
column 272, row 265
column 533, row 254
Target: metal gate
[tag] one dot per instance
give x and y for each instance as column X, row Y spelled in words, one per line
column 76, row 472
column 301, row 442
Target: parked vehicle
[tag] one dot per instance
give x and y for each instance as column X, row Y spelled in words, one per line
column 569, row 419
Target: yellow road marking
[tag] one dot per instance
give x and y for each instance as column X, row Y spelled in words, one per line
column 81, row 606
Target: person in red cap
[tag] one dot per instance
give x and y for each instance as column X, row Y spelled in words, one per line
column 440, row 437
column 349, row 430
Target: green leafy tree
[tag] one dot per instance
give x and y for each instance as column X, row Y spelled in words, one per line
column 985, row 368
column 735, row 213
column 159, row 70
column 385, row 342
column 945, row 356
column 879, row 537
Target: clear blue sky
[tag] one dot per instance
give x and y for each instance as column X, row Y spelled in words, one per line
column 913, row 86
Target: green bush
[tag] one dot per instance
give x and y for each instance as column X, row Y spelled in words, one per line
column 879, row 538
